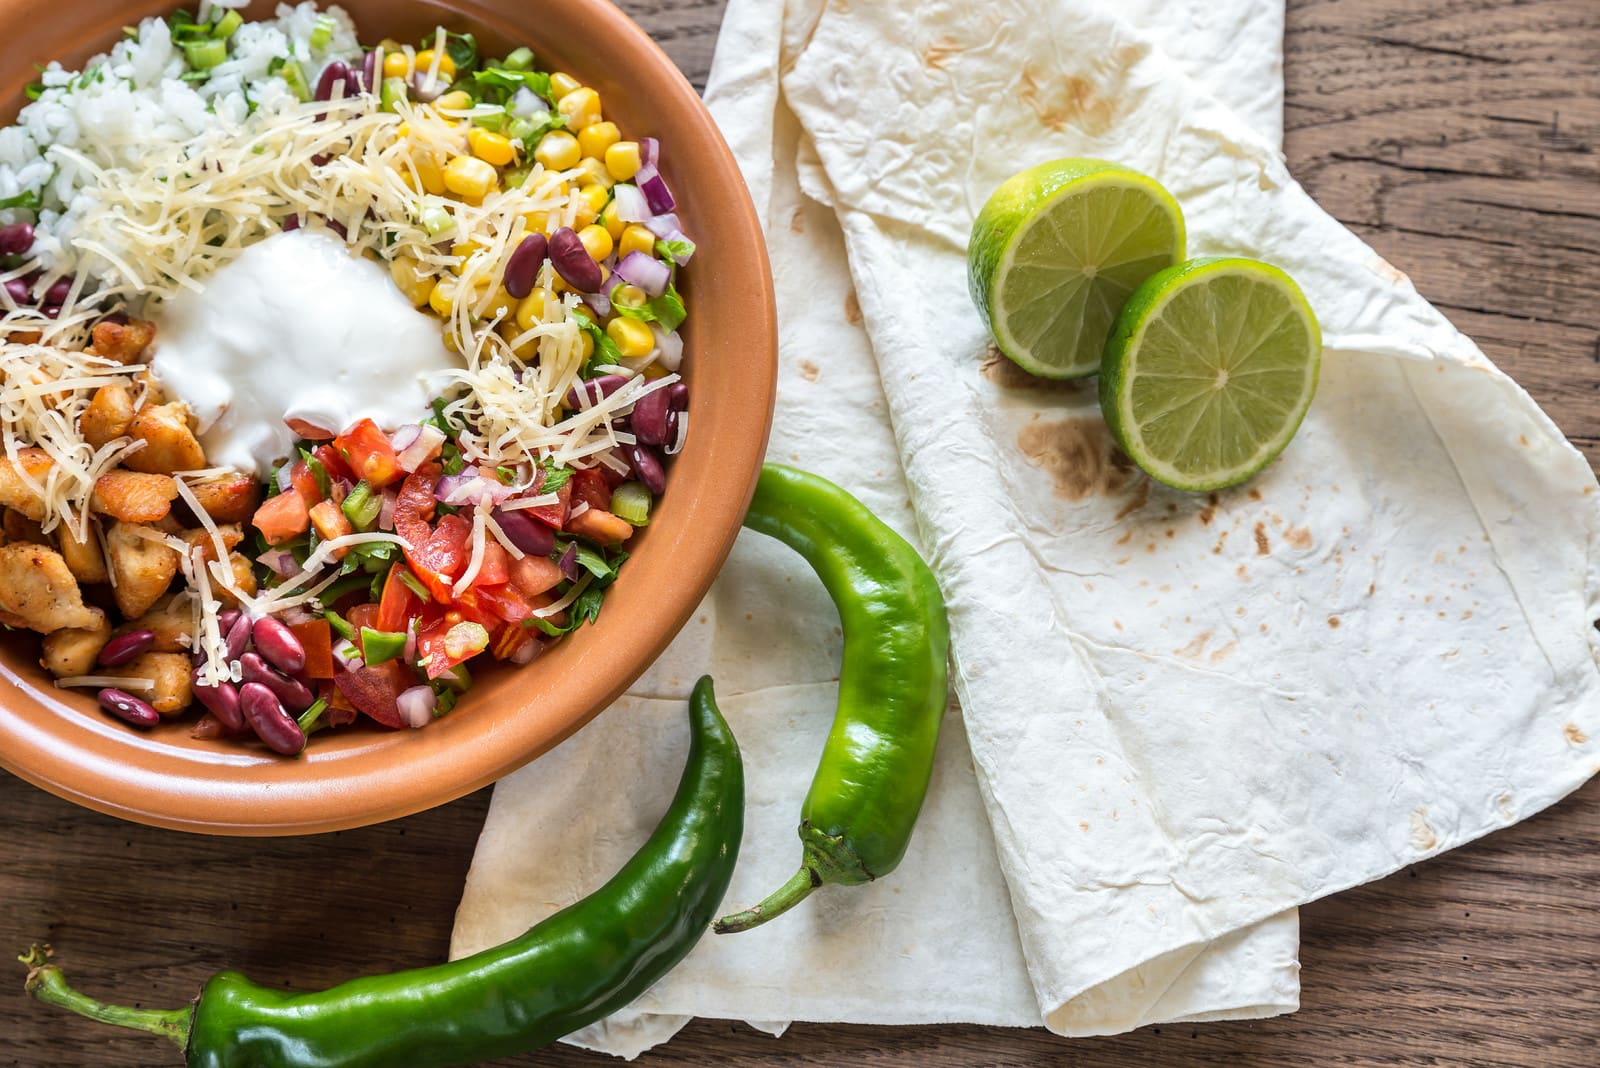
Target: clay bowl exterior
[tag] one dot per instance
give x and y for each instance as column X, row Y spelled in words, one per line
column 63, row 743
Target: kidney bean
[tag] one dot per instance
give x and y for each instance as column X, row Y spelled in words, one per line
column 222, row 700
column 238, row 637
column 52, row 311
column 589, row 393
column 335, row 73
column 226, row 619
column 573, row 262
column 292, row 692
column 58, row 291
column 16, row 239
column 278, row 645
column 267, row 718
column 529, row 535
column 20, row 291
column 369, row 71
column 650, row 414
column 120, row 650
column 647, row 467
column 522, row 269
column 129, row 708
column 678, row 397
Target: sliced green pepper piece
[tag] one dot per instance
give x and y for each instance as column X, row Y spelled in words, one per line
column 381, row 646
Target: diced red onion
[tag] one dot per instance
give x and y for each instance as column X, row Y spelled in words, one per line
column 404, row 436
column 569, row 562
column 669, row 346
column 646, row 272
column 654, row 188
column 629, row 203
column 386, row 510
column 526, row 652
column 525, row 104
column 413, row 456
column 599, row 303
column 649, row 151
column 410, row 653
column 448, row 485
column 664, row 226
column 282, row 479
column 526, row 533
column 649, row 417
column 347, row 655
column 279, row 562
column 427, row 89
column 416, row 706
column 297, row 615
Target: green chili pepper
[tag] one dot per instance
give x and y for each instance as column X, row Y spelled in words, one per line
column 868, row 789
column 572, row 969
column 380, row 646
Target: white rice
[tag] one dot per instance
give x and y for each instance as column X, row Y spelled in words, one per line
column 133, row 98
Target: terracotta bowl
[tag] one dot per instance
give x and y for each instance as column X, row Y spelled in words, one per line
column 63, row 743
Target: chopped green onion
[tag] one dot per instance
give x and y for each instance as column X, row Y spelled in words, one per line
column 295, row 77
column 227, row 25
column 436, row 219
column 447, row 701
column 393, row 91
column 318, row 472
column 514, row 179
column 521, row 59
column 340, row 626
column 381, row 646
column 361, row 506
column 414, row 584
column 631, row 501
column 203, row 55
column 322, row 32
column 458, row 678
column 310, row 719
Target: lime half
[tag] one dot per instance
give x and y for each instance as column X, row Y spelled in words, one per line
column 1056, row 251
column 1209, row 370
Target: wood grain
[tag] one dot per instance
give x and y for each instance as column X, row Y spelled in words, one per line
column 1459, row 137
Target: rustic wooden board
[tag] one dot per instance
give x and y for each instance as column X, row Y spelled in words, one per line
column 1459, row 137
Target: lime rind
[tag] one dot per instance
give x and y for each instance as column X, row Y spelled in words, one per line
column 1229, row 352
column 1032, row 240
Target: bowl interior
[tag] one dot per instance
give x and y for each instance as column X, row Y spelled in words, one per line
column 60, row 741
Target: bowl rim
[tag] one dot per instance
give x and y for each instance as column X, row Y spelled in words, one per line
column 45, row 737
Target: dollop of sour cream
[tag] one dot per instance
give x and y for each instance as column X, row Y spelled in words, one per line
column 295, row 329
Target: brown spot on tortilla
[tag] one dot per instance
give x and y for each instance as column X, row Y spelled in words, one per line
column 1524, row 439
column 1083, row 825
column 809, row 371
column 1150, row 547
column 1171, row 533
column 852, row 309
column 1219, row 655
column 1126, row 538
column 998, row 368
column 1222, row 539
column 1299, row 537
column 1333, row 622
column 1372, row 588
column 1079, row 455
column 1263, row 628
column 1263, row 545
column 936, row 55
column 1060, row 100
column 1574, row 735
column 1141, row 496
column 1244, row 575
column 1388, row 272
column 1196, row 647
column 1255, row 494
column 1207, row 514
column 797, row 221
column 1467, row 614
column 1117, row 623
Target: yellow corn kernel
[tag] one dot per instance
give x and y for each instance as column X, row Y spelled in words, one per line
column 592, row 172
column 491, row 147
column 558, row 150
column 429, row 171
column 596, row 241
column 599, row 137
column 451, row 344
column 590, row 200
column 636, row 238
column 413, row 281
column 633, row 337
column 622, row 160
column 585, row 344
column 581, row 107
column 463, row 250
column 501, row 303
column 628, row 295
column 655, row 370
column 468, row 176
column 613, row 224
column 402, row 131
column 447, row 66
column 562, row 84
column 537, row 222
column 396, row 65
column 537, row 307
column 443, row 298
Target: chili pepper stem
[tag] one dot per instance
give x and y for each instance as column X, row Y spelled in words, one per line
column 47, row 984
column 781, row 900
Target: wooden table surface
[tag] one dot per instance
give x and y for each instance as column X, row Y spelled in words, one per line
column 1460, row 138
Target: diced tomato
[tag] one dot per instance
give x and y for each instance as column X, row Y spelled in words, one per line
column 369, row 454
column 613, row 478
column 508, row 639
column 282, row 518
column 374, row 691
column 439, row 560
column 399, row 601
column 363, row 615
column 533, row 575
column 495, row 570
column 340, row 710
column 331, row 522
column 554, row 515
column 602, row 526
column 415, row 506
column 304, row 482
column 316, row 637
column 589, row 486
column 504, row 601
column 333, row 463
